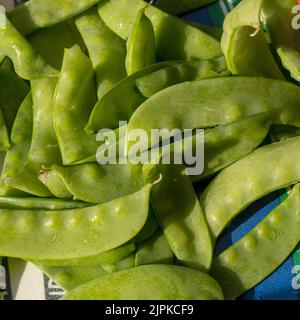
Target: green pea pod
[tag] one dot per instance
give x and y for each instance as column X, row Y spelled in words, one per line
column 94, row 183
column 69, row 278
column 106, row 50
column 181, row 72
column 175, row 39
column 280, row 133
column 51, row 42
column 261, row 251
column 36, row 14
column 150, row 283
column 239, row 185
column 277, row 17
column 40, row 204
column 4, row 137
column 201, row 104
column 72, row 107
column 121, row 101
column 27, row 62
column 141, row 48
column 244, row 45
column 155, row 250
column 44, row 149
column 149, row 228
column 108, row 257
column 181, row 218
column 177, row 7
column 124, row 264
column 51, row 235
column 16, row 156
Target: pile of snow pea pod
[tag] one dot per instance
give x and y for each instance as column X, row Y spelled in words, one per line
column 130, row 231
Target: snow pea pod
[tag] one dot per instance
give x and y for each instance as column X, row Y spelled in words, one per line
column 150, row 283
column 201, row 104
column 94, row 183
column 4, row 137
column 244, row 44
column 124, row 264
column 277, row 17
column 141, row 48
column 36, row 14
column 149, row 228
column 72, row 107
column 189, row 43
column 52, row 235
column 261, row 251
column 27, row 62
column 181, row 72
column 69, row 278
column 177, row 7
column 181, row 218
column 44, row 149
column 155, row 250
column 239, row 185
column 106, row 50
column 120, row 102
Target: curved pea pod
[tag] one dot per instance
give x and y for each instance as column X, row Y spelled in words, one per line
column 280, row 133
column 27, row 62
column 94, row 183
column 69, row 278
column 201, row 104
column 150, row 283
column 189, row 44
column 244, row 44
column 261, row 251
column 149, row 228
column 181, row 72
column 155, row 250
column 13, row 90
column 36, row 14
column 181, row 218
column 44, row 147
column 277, row 17
column 239, row 185
column 51, row 42
column 40, row 204
column 106, row 50
column 120, row 102
column 51, row 235
column 16, row 156
column 124, row 264
column 108, row 257
column 176, row 7
column 141, row 48
column 72, row 107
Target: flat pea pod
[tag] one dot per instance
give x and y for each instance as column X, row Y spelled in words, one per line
column 244, row 43
column 149, row 228
column 106, row 50
column 39, row 204
column 201, row 104
column 277, row 17
column 36, row 14
column 141, row 47
column 280, row 133
column 13, row 90
column 155, row 250
column 51, row 235
column 261, row 251
column 177, row 7
column 44, row 147
column 181, row 218
column 28, row 63
column 72, row 107
column 124, row 264
column 239, row 185
column 108, row 257
column 94, row 183
column 69, row 278
column 181, row 72
column 16, row 156
column 190, row 43
column 121, row 101
column 157, row 282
